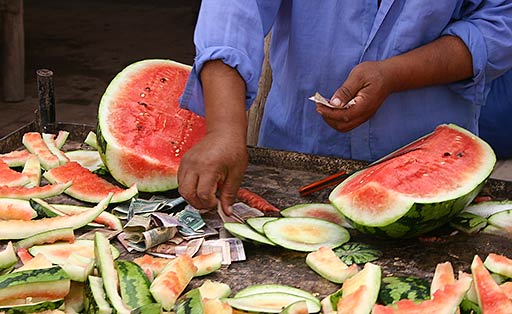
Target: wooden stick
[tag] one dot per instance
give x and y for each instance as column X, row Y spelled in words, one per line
column 46, row 100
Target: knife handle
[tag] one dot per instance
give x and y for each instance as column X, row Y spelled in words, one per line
column 323, row 183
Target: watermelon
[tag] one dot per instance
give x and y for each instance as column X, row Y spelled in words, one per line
column 325, row 263
column 214, row 290
column 9, row 177
column 491, row 298
column 499, row 264
column 396, row 288
column 34, row 143
column 16, row 158
column 16, row 209
column 445, row 301
column 87, row 186
column 142, row 132
column 426, row 184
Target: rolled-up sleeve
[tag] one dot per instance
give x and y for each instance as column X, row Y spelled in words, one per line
column 231, row 31
column 486, row 29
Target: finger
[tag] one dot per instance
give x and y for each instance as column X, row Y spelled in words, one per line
column 187, row 187
column 228, row 193
column 347, row 91
column 206, row 190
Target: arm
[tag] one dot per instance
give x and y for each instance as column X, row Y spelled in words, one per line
column 217, row 162
column 442, row 61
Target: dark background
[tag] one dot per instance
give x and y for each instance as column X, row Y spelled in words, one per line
column 87, row 42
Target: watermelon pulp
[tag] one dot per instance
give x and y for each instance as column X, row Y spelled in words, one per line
column 420, row 190
column 142, row 131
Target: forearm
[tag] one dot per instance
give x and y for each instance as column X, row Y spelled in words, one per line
column 224, row 97
column 443, row 61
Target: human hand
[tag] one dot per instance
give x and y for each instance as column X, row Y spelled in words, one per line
column 360, row 96
column 212, row 171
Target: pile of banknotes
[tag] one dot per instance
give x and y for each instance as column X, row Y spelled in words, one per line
column 167, row 227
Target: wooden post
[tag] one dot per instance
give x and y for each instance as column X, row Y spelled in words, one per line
column 13, row 51
column 256, row 112
column 46, row 100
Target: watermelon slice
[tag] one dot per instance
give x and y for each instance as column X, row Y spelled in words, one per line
column 142, row 133
column 24, row 193
column 9, row 177
column 87, row 186
column 427, row 183
column 445, row 301
column 34, row 143
column 16, row 158
column 491, row 298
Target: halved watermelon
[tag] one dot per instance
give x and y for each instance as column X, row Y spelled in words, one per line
column 427, row 183
column 87, row 186
column 142, row 133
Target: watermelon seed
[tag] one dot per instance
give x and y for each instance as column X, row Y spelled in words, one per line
column 163, row 80
column 147, row 89
column 460, row 154
column 447, row 154
column 142, row 104
column 142, row 95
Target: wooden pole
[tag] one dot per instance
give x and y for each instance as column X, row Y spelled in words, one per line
column 256, row 112
column 13, row 51
column 46, row 100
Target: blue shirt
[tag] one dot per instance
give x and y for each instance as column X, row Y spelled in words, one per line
column 315, row 44
column 496, row 117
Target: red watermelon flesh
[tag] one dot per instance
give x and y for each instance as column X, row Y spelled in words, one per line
column 9, row 177
column 87, row 186
column 445, row 166
column 491, row 298
column 16, row 158
column 142, row 131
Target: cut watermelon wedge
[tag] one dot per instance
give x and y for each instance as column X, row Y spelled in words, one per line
column 491, row 298
column 24, row 193
column 34, row 143
column 87, row 186
column 420, row 190
column 142, row 132
column 9, row 177
column 16, row 158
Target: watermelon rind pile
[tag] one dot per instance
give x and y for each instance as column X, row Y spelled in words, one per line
column 397, row 214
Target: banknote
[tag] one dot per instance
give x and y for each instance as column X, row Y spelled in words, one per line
column 189, row 248
column 147, row 239
column 222, row 247
column 191, row 218
column 138, row 224
column 245, row 211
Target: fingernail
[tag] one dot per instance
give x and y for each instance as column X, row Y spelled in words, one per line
column 336, row 102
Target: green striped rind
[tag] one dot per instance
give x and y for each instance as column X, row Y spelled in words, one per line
column 95, row 301
column 133, row 284
column 32, row 308
column 108, row 272
column 32, row 276
column 23, row 229
column 395, row 288
column 357, row 253
column 421, row 218
column 153, row 308
column 189, row 303
column 49, row 236
column 468, row 222
column 43, row 209
column 468, row 307
column 34, row 283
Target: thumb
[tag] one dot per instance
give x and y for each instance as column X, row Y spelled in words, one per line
column 346, row 92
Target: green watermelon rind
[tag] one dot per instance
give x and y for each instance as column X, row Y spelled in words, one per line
column 109, row 148
column 432, row 215
column 412, row 216
column 32, row 308
column 396, row 288
column 133, row 284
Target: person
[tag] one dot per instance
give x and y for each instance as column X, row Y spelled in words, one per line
column 408, row 65
column 495, row 122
